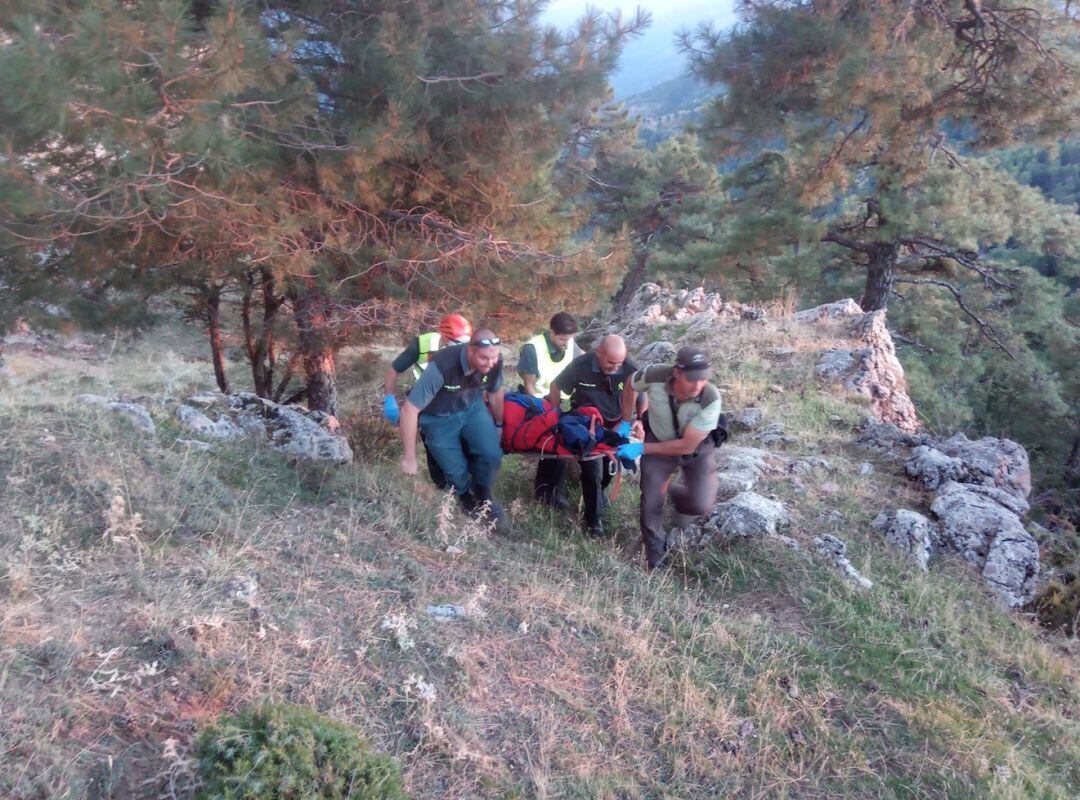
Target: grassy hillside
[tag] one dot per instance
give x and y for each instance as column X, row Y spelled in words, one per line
column 149, row 586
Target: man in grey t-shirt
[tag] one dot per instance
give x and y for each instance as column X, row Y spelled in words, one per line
column 684, row 410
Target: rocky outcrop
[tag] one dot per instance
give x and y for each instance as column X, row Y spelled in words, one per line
column 748, row 514
column 301, row 434
column 655, row 353
column 872, row 369
column 837, row 310
column 910, row 532
column 991, row 537
column 740, row 468
column 933, row 468
column 992, row 462
column 652, row 305
column 746, row 419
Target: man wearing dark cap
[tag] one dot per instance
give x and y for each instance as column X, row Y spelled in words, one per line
column 682, row 429
column 448, row 405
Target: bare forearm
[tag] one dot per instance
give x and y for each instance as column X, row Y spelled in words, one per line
column 629, row 397
column 555, row 395
column 676, row 447
column 528, row 382
column 410, row 415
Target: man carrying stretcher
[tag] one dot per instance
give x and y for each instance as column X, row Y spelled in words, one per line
column 596, row 379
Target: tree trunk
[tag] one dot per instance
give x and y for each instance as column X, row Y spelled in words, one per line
column 260, row 345
column 313, row 313
column 879, row 277
column 633, row 279
column 212, row 295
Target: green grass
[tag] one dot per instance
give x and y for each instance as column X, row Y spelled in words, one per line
column 746, row 670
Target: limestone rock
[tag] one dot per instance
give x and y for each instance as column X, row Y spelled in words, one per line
column 289, row 430
column 991, row 537
column 746, row 419
column 992, row 462
column 910, row 532
column 656, row 353
column 200, row 424
column 841, row 308
column 835, row 551
column 740, row 468
column 772, row 435
column 748, row 514
column 133, row 412
column 933, row 468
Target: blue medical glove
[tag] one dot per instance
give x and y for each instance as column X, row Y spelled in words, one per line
column 623, row 429
column 631, row 450
column 390, row 409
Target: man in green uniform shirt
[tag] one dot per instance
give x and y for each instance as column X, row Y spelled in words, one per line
column 684, row 413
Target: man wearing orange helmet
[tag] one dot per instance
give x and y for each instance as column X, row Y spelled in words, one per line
column 453, row 329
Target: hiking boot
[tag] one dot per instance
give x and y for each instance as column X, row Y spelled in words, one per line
column 556, row 500
column 595, row 529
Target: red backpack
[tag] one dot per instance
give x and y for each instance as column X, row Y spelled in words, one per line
column 528, row 424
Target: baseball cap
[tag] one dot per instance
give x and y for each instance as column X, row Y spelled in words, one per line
column 693, row 362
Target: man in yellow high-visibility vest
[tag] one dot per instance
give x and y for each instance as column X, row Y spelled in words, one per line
column 540, row 361
column 547, row 354
column 453, row 329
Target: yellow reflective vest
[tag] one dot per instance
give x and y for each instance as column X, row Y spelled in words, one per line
column 548, row 367
column 429, row 343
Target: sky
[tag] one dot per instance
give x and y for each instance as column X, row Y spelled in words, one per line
column 652, row 58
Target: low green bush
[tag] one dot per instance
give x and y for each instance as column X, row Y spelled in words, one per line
column 276, row 752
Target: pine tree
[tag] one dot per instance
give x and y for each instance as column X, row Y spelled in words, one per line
column 335, row 164
column 867, row 97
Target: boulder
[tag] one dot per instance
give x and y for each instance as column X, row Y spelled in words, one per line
column 289, row 430
column 774, row 434
column 835, row 364
column 199, row 424
column 910, row 532
column 933, row 468
column 748, row 514
column 992, row 462
column 739, row 469
column 746, row 419
column 835, row 551
column 991, row 537
column 656, row 353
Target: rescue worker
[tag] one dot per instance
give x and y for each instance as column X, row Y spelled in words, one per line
column 448, row 404
column 546, row 355
column 682, row 429
column 453, row 329
column 597, row 379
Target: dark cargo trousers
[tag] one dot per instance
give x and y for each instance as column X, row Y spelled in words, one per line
column 694, row 497
column 464, row 445
column 596, row 474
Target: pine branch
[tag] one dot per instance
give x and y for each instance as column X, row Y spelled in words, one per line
column 985, row 327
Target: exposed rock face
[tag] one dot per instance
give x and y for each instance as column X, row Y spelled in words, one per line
column 308, row 436
column 748, row 514
column 656, row 353
column 651, row 305
column 933, row 468
column 992, row 462
column 740, row 468
column 910, row 532
column 873, row 370
column 991, row 537
column 835, row 551
column 199, row 424
column 746, row 419
column 841, row 308
column 135, row 413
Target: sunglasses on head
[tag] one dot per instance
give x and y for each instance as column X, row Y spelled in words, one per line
column 491, row 341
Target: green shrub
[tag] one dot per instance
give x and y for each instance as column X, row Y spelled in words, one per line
column 292, row 753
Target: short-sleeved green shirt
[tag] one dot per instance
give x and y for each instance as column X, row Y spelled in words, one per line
column 701, row 412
